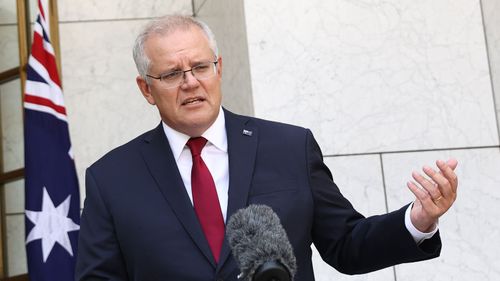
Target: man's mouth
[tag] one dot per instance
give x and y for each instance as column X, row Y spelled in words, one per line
column 192, row 101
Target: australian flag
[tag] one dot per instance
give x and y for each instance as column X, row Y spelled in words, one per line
column 51, row 187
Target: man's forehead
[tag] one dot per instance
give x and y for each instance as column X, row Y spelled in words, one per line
column 182, row 48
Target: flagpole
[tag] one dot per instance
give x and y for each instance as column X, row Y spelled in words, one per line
column 54, row 34
column 23, row 22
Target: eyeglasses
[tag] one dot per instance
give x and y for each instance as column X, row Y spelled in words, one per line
column 175, row 78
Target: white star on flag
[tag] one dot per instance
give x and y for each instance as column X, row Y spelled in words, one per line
column 51, row 225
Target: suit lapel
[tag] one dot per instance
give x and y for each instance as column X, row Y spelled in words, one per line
column 242, row 139
column 161, row 163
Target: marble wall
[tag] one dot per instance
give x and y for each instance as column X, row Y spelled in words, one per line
column 387, row 87
column 387, row 76
column 491, row 20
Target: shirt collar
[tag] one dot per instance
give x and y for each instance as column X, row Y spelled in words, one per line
column 215, row 134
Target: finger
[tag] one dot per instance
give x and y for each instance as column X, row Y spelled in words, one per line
column 423, row 196
column 427, row 185
column 443, row 185
column 452, row 163
column 452, row 177
column 448, row 173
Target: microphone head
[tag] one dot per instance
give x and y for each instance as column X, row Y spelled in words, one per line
column 256, row 236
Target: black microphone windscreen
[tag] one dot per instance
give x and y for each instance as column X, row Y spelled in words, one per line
column 256, row 236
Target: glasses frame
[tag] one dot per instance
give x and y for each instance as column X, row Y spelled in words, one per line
column 184, row 74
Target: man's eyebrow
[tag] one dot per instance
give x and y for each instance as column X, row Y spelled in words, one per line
column 177, row 67
column 198, row 61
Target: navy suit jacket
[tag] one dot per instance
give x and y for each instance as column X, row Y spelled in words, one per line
column 139, row 224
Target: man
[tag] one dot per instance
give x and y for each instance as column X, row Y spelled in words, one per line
column 155, row 207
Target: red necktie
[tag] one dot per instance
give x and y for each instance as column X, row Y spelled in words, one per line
column 205, row 199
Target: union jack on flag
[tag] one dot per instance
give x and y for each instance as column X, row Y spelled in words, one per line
column 52, row 199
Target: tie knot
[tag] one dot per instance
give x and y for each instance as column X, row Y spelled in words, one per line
column 196, row 145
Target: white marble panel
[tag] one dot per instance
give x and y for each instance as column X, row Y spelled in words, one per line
column 8, row 12
column 70, row 10
column 227, row 20
column 12, row 125
column 16, row 251
column 373, row 75
column 470, row 229
column 105, row 107
column 491, row 10
column 364, row 188
column 33, row 9
column 14, row 197
column 9, row 47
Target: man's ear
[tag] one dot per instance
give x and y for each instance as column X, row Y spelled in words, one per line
column 219, row 67
column 145, row 89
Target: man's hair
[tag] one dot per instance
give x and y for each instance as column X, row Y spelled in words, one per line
column 164, row 26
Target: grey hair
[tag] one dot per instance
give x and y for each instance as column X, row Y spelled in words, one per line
column 163, row 26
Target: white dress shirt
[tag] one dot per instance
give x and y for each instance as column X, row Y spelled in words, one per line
column 215, row 156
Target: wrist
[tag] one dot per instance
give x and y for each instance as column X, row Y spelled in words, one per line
column 418, row 235
column 422, row 223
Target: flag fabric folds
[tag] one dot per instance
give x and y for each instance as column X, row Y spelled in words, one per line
column 52, row 199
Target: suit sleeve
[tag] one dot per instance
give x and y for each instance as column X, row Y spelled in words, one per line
column 349, row 242
column 99, row 255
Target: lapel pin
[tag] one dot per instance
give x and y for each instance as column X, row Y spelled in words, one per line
column 247, row 133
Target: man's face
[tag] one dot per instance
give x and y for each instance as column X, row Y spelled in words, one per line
column 193, row 106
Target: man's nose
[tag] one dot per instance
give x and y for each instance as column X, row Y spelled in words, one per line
column 189, row 80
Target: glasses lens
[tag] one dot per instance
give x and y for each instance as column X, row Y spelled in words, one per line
column 172, row 79
column 204, row 70
column 175, row 78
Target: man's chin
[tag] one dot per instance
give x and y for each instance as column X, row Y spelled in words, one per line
column 196, row 127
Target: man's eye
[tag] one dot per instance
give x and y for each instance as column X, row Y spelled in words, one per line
column 201, row 67
column 171, row 76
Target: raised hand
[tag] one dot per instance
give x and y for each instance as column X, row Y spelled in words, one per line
column 435, row 194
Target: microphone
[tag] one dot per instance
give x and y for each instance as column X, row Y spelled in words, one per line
column 260, row 245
